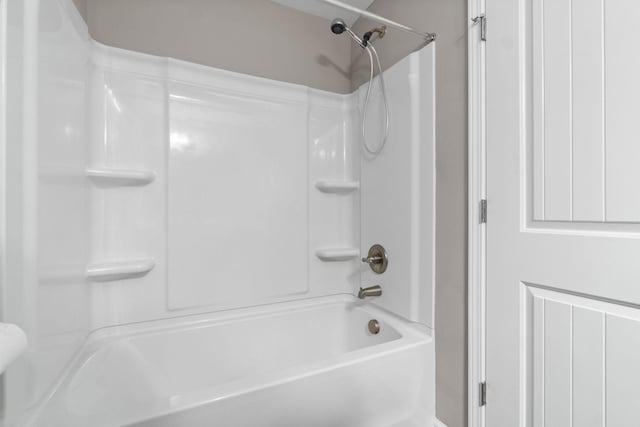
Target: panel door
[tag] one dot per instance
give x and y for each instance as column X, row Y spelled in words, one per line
column 563, row 231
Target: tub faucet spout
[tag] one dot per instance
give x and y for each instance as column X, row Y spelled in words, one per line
column 371, row 291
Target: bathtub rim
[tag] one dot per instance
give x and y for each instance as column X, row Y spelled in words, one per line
column 184, row 322
column 412, row 335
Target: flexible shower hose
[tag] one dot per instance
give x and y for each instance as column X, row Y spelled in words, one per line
column 372, row 52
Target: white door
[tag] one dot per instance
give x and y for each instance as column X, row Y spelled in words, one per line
column 563, row 230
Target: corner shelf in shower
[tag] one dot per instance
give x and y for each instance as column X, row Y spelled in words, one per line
column 337, row 254
column 119, row 270
column 337, row 186
column 120, row 177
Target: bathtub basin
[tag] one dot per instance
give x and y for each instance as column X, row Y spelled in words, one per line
column 306, row 363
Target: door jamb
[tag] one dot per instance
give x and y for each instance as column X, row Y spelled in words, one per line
column 476, row 228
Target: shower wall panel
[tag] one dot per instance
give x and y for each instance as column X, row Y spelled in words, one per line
column 129, row 127
column 398, row 187
column 237, row 193
column 233, row 216
column 61, row 311
column 334, row 214
column 46, row 208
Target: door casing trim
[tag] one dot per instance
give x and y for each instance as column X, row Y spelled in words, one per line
column 476, row 229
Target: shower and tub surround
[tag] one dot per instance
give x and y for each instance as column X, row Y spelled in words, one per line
column 197, row 190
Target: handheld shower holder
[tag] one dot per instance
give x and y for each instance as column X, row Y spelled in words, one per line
column 380, row 31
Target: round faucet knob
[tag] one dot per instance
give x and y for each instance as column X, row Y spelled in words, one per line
column 377, row 258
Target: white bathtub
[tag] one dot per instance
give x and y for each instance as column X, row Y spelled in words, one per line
column 300, row 364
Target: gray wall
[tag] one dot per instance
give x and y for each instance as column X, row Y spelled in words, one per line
column 255, row 37
column 82, row 7
column 447, row 18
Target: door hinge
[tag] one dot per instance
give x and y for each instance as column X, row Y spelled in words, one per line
column 482, row 19
column 483, row 211
column 483, row 394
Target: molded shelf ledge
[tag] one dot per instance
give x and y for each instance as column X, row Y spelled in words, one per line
column 337, row 186
column 118, row 177
column 337, row 254
column 119, row 270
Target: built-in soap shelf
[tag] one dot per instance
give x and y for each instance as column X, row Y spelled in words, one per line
column 120, row 177
column 337, row 185
column 109, row 271
column 337, row 254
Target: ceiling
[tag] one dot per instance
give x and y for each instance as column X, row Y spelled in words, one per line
column 318, row 8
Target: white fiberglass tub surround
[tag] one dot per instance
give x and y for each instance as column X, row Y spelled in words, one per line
column 307, row 363
column 204, row 229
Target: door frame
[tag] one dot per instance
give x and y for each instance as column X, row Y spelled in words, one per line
column 3, row 156
column 476, row 327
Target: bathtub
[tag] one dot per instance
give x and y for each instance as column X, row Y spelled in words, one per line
column 297, row 364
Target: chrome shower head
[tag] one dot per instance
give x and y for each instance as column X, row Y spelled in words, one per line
column 338, row 26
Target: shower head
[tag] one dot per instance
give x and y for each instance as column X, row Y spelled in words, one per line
column 338, row 26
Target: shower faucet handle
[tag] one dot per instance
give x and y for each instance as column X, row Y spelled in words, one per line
column 377, row 258
column 372, row 260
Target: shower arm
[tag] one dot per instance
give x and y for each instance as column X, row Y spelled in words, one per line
column 428, row 37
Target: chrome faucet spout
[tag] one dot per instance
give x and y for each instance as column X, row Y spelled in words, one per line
column 372, row 291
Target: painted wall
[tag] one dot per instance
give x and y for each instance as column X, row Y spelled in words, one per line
column 447, row 18
column 81, row 5
column 255, row 37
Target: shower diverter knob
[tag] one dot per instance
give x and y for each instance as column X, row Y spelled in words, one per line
column 377, row 258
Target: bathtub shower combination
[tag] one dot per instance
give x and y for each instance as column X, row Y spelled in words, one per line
column 182, row 245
